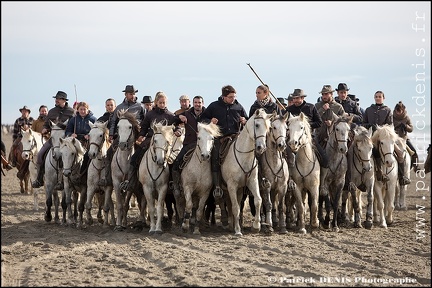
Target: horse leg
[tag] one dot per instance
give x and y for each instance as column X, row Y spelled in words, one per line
column 254, row 188
column 282, row 217
column 389, row 202
column 188, row 209
column 160, row 209
column 313, row 206
column 379, row 204
column 267, row 207
column 48, row 204
column 235, row 202
column 369, row 207
column 88, row 205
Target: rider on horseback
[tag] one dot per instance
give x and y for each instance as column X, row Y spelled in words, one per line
column 59, row 114
column 228, row 114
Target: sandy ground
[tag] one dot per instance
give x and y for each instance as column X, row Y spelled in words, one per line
column 37, row 253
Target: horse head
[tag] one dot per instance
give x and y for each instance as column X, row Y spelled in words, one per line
column 205, row 139
column 72, row 154
column 384, row 140
column 57, row 132
column 259, row 123
column 278, row 131
column 362, row 145
column 128, row 127
column 98, row 138
column 299, row 131
column 161, row 143
column 340, row 129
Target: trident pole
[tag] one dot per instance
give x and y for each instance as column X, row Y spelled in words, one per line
column 277, row 101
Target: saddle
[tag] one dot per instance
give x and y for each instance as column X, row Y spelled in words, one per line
column 226, row 142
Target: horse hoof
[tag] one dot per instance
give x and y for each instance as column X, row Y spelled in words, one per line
column 302, row 231
column 283, row 231
column 357, row 225
column 48, row 218
column 238, row 234
column 368, row 224
column 119, row 228
column 100, row 220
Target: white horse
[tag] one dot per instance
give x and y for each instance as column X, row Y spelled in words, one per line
column 306, row 173
column 98, row 147
column 196, row 175
column 240, row 167
column 153, row 173
column 404, row 159
column 72, row 154
column 274, row 169
column 128, row 127
column 53, row 172
column 336, row 149
column 361, row 171
column 32, row 142
column 384, row 139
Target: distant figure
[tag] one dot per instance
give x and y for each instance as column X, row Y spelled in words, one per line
column 24, row 122
column 147, row 103
column 39, row 122
column 349, row 105
column 110, row 106
column 184, row 104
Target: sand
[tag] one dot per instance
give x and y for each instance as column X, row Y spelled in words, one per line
column 37, row 253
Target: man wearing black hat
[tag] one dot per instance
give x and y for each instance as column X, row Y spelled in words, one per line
column 58, row 114
column 24, row 122
column 350, row 106
column 130, row 104
column 147, row 103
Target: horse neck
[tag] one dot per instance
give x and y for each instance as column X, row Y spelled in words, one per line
column 245, row 139
column 307, row 150
column 272, row 154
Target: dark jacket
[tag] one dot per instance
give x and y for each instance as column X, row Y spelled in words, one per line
column 157, row 115
column 58, row 113
column 107, row 116
column 80, row 125
column 131, row 107
column 269, row 108
column 310, row 111
column 352, row 109
column 191, row 127
column 228, row 115
column 377, row 115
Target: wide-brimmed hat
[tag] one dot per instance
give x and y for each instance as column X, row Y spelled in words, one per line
column 353, row 97
column 342, row 87
column 130, row 89
column 61, row 95
column 290, row 98
column 147, row 99
column 297, row 93
column 326, row 89
column 25, row 108
column 282, row 101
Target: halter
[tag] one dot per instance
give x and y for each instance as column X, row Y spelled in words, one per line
column 98, row 145
column 357, row 156
column 32, row 147
column 334, row 133
column 164, row 149
column 255, row 163
column 130, row 140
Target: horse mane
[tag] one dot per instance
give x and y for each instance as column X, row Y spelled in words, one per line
column 103, row 127
column 384, row 132
column 75, row 144
column 166, row 130
column 362, row 135
column 211, row 128
column 131, row 117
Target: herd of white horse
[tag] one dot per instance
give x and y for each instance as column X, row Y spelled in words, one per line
column 255, row 159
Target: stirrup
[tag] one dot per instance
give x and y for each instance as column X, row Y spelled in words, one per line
column 124, row 185
column 217, row 192
column 404, row 181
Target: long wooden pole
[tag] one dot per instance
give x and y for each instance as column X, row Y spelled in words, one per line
column 76, row 100
column 277, row 101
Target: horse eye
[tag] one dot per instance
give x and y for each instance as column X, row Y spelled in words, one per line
column 199, row 138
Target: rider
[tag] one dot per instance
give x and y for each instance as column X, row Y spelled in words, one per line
column 78, row 127
column 228, row 114
column 263, row 100
column 60, row 113
column 190, row 118
column 159, row 113
column 310, row 110
column 129, row 103
column 24, row 122
column 402, row 125
column 378, row 114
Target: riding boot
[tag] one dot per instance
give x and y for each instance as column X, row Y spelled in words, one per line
column 403, row 180
column 176, row 182
column 217, row 192
column 132, row 179
column 378, row 171
column 323, row 175
column 107, row 181
column 39, row 182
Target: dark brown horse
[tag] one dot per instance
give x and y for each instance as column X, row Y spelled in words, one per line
column 22, row 165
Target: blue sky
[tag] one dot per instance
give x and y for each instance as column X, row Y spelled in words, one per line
column 196, row 48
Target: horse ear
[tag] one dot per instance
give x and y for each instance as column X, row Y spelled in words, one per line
column 73, row 141
column 65, row 122
column 286, row 116
column 105, row 124
column 91, row 124
column 51, row 123
column 61, row 140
